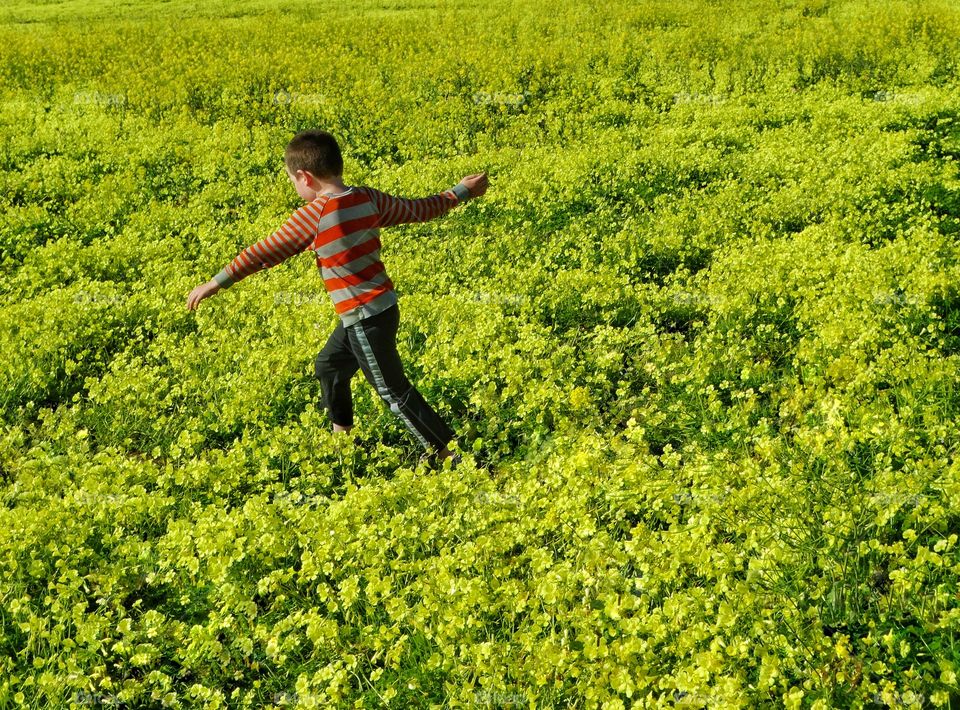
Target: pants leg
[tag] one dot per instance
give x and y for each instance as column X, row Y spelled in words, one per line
column 374, row 340
column 334, row 367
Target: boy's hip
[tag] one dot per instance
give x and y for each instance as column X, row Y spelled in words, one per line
column 379, row 308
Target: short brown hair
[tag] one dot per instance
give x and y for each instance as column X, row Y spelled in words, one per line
column 315, row 151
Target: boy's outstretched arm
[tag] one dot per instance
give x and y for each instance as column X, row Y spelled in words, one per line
column 293, row 237
column 400, row 210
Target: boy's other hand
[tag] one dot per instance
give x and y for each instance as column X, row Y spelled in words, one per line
column 477, row 184
column 201, row 292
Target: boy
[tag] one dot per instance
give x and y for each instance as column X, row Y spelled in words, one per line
column 340, row 224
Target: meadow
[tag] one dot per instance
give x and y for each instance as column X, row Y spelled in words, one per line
column 700, row 340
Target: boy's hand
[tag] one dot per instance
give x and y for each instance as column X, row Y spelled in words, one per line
column 201, row 292
column 477, row 184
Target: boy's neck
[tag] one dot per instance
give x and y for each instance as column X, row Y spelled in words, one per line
column 331, row 186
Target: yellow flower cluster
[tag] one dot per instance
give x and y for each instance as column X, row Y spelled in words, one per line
column 700, row 341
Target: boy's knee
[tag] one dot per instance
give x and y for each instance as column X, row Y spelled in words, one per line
column 395, row 394
column 322, row 368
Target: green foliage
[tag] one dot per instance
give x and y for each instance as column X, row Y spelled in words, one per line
column 700, row 343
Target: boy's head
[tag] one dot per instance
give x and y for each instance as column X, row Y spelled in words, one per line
column 315, row 152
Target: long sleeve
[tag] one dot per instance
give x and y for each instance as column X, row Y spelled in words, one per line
column 293, row 237
column 399, row 210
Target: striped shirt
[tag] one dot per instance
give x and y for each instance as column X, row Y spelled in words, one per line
column 343, row 232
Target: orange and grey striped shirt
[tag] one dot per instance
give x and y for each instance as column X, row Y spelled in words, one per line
column 343, row 231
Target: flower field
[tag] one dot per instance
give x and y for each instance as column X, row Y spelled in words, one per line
column 700, row 341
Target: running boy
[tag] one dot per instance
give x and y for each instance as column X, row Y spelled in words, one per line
column 341, row 224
